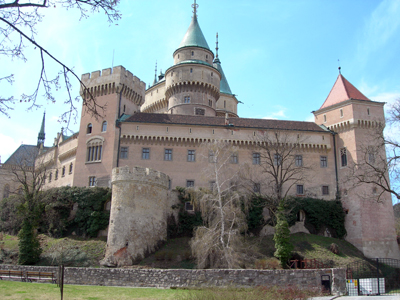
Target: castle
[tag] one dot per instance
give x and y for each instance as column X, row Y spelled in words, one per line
column 162, row 128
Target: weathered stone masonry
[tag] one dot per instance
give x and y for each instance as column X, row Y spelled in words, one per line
column 196, row 278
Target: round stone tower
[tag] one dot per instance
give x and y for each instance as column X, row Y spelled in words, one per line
column 193, row 83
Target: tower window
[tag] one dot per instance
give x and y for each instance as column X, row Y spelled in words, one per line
column 299, row 160
column 192, row 53
column 104, row 126
column 212, row 74
column 256, row 158
column 343, row 157
column 368, row 111
column 186, row 99
column 124, row 153
column 146, row 153
column 89, row 128
column 168, row 154
column 323, row 161
column 191, row 70
column 63, row 172
column 210, row 102
column 234, row 158
column 70, row 168
column 324, row 118
column 200, row 111
column 191, row 155
column 224, row 104
column 341, row 113
column 124, row 108
column 94, row 150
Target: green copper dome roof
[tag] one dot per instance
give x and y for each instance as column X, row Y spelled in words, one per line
column 194, row 36
column 224, row 86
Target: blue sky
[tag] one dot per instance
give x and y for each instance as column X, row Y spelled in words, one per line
column 280, row 57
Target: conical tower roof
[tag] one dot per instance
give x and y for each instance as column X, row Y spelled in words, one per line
column 194, row 36
column 343, row 90
column 224, row 86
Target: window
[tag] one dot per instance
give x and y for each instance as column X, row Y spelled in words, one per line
column 168, row 154
column 188, row 206
column 169, row 184
column 124, row 153
column 92, row 181
column 371, row 158
column 199, row 111
column 89, row 128
column 256, row 188
column 70, row 168
column 277, row 159
column 300, row 189
column 63, row 172
column 189, row 183
column 124, row 108
column 324, row 118
column 368, row 111
column 145, row 153
column 50, row 176
column 211, row 157
column 210, row 103
column 6, row 191
column 212, row 185
column 56, row 175
column 224, row 104
column 234, row 158
column 191, row 70
column 374, row 191
column 104, row 126
column 191, row 155
column 186, row 99
column 323, row 161
column 94, row 149
column 299, row 160
column 341, row 113
column 343, row 157
column 256, row 159
column 192, row 53
column 325, row 190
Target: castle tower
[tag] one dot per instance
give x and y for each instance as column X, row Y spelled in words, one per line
column 41, row 135
column 117, row 93
column 353, row 117
column 227, row 103
column 193, row 83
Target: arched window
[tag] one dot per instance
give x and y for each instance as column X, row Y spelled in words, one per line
column 6, row 191
column 89, row 128
column 63, row 171
column 94, row 149
column 104, row 126
column 70, row 168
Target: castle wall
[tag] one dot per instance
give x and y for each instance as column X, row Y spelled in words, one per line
column 138, row 217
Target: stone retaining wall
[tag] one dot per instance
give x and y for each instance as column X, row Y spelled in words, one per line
column 195, row 278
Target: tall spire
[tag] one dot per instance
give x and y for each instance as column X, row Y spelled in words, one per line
column 216, row 48
column 41, row 135
column 195, row 6
column 224, row 86
column 155, row 75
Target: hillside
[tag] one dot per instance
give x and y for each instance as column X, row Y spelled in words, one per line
column 176, row 252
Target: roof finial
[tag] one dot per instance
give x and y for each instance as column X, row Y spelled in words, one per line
column 195, row 6
column 155, row 74
column 41, row 135
column 340, row 68
column 216, row 48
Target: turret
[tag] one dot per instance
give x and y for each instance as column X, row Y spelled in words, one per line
column 193, row 83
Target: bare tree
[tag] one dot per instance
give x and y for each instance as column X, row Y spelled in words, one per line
column 282, row 167
column 18, row 21
column 218, row 244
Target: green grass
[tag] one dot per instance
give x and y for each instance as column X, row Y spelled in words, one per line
column 10, row 290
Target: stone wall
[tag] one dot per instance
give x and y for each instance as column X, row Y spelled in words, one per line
column 197, row 278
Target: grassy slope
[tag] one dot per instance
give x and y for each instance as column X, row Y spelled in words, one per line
column 176, row 252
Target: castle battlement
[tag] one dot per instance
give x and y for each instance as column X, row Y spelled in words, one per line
column 140, row 175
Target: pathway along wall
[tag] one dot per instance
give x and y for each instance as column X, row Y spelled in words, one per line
column 196, row 278
column 138, row 216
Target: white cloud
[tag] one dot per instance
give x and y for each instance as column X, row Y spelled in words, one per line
column 8, row 146
column 277, row 114
column 310, row 118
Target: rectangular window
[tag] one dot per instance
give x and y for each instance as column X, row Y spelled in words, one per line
column 300, row 189
column 323, row 161
column 191, row 155
column 70, row 168
column 189, row 183
column 212, row 185
column 277, row 159
column 186, row 99
column 199, row 111
column 56, row 176
column 92, row 181
column 256, row 158
column 63, row 171
column 325, row 190
column 94, row 153
column 341, row 113
column 168, row 154
column 234, row 158
column 256, row 188
column 188, row 206
column 324, row 118
column 211, row 156
column 124, row 153
column 299, row 160
column 343, row 157
column 371, row 158
column 145, row 153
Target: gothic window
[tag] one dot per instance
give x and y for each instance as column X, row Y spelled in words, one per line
column 89, row 128
column 323, row 161
column 299, row 160
column 6, row 191
column 256, row 158
column 343, row 157
column 94, row 149
column 104, row 126
column 145, row 153
column 235, row 158
column 92, row 181
column 168, row 154
column 191, row 155
column 70, row 168
column 325, row 190
column 186, row 99
column 189, row 183
column 300, row 189
column 124, row 153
